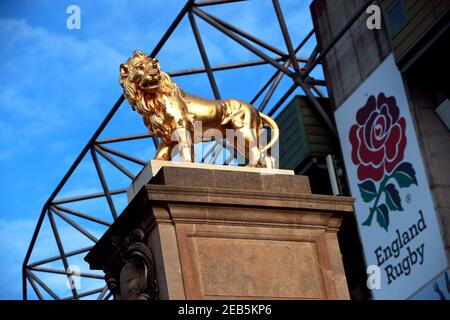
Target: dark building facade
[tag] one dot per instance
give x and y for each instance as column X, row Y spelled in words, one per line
column 361, row 69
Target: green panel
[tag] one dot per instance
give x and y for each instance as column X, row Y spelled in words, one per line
column 292, row 137
column 287, row 116
column 312, row 121
column 307, row 111
column 316, row 130
column 302, row 133
column 316, row 139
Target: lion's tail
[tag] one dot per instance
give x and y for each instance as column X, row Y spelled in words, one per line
column 275, row 134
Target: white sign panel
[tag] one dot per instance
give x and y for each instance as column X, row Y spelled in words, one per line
column 394, row 208
column 437, row 289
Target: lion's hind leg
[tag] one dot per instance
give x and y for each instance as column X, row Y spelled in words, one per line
column 246, row 143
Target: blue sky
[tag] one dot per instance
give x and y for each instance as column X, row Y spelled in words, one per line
column 57, row 85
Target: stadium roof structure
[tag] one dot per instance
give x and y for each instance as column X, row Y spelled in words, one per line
column 37, row 274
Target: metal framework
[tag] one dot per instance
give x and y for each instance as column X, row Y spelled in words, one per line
column 285, row 64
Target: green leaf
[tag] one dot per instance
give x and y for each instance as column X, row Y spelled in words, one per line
column 368, row 190
column 368, row 221
column 383, row 216
column 393, row 198
column 405, row 175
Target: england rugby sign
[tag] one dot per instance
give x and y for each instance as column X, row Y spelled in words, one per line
column 394, row 208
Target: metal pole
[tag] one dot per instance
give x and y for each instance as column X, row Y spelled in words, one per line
column 172, row 27
column 273, row 87
column 224, row 67
column 204, row 56
column 61, row 251
column 82, row 215
column 104, row 184
column 89, row 196
column 124, row 138
column 122, row 155
column 242, row 42
column 214, row 2
column 278, row 75
column 35, row 288
column 55, row 258
column 287, row 38
column 282, row 99
column 74, row 224
column 124, row 170
column 246, row 35
column 71, row 273
column 317, row 106
column 42, row 284
column 332, row 175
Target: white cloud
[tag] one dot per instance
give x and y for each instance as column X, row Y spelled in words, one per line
column 48, row 79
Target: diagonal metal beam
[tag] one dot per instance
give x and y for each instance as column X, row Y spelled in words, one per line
column 302, row 43
column 71, row 273
column 285, row 32
column 122, row 155
column 239, row 40
column 42, row 284
column 55, row 258
column 279, row 75
column 172, row 28
column 316, row 104
column 201, row 48
column 276, row 81
column 246, row 35
column 85, row 294
column 120, row 167
column 298, row 79
column 101, row 176
column 222, row 67
column 61, row 251
column 214, row 2
column 264, row 87
column 82, row 215
column 74, row 224
column 282, row 99
column 35, row 288
column 124, row 138
column 89, row 196
column 103, row 293
column 217, row 150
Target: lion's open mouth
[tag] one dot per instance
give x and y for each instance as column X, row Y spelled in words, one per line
column 149, row 85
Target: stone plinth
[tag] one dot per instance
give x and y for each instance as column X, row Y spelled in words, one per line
column 193, row 233
column 152, row 168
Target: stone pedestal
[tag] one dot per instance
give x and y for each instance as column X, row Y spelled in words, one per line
column 208, row 233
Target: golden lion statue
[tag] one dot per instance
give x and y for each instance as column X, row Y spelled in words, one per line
column 175, row 116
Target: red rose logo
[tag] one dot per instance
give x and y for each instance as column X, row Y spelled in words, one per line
column 378, row 146
column 378, row 138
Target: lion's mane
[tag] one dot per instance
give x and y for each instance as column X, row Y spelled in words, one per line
column 151, row 106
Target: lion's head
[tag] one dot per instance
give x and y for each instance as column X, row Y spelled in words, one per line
column 144, row 84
